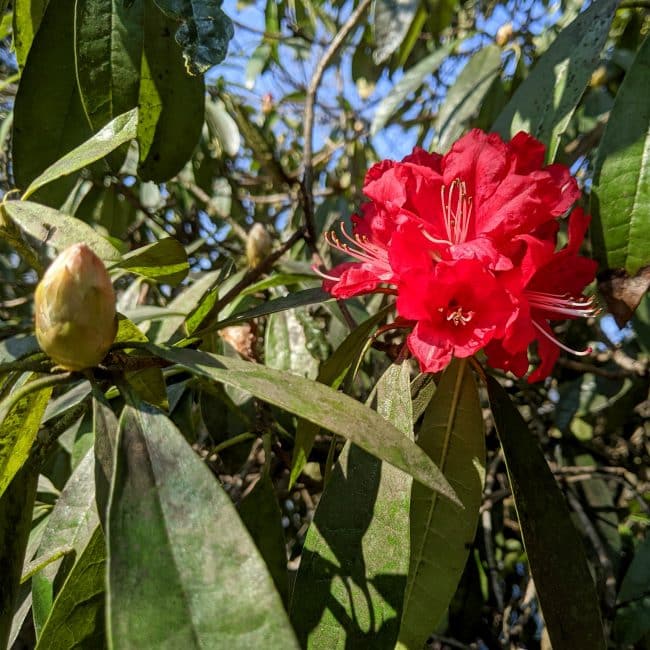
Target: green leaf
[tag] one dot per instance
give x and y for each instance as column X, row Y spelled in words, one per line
column 110, row 137
column 331, row 373
column 349, row 588
column 27, row 19
column 319, row 404
column 182, row 570
column 544, row 103
column 108, row 47
column 408, row 84
column 262, row 517
column 203, row 34
column 77, row 616
column 391, row 20
column 57, row 229
column 164, row 261
column 564, row 586
column 620, row 199
column 285, row 344
column 49, row 72
column 171, row 102
column 257, row 62
column 632, row 620
column 290, row 301
column 70, row 525
column 107, row 208
column 16, row 505
column 20, row 423
column 17, row 347
column 222, row 126
column 185, row 302
column 442, row 533
column 105, row 430
column 465, row 97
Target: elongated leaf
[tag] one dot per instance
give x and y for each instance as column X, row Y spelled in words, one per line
column 49, row 72
column 77, row 616
column 105, row 430
column 27, row 19
column 57, row 229
column 621, row 194
column 110, row 137
column 262, row 517
column 564, row 586
column 318, row 404
column 408, row 84
column 222, row 126
column 182, row 570
column 108, row 47
column 16, row 506
column 391, row 21
column 465, row 97
column 18, row 431
column 441, row 533
column 349, row 588
column 290, row 301
column 203, row 34
column 69, row 526
column 544, row 103
column 164, row 261
column 185, row 302
column 171, row 102
column 17, row 347
column 331, row 373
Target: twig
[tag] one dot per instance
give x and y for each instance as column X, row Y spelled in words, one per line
column 486, row 522
column 308, row 131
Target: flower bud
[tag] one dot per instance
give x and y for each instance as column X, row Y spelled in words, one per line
column 74, row 307
column 258, row 245
column 504, row 34
column 598, row 77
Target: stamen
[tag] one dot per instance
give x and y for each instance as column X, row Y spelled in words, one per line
column 362, row 248
column 566, row 348
column 458, row 317
column 580, row 307
column 323, row 275
column 457, row 218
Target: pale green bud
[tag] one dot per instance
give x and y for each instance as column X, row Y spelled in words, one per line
column 74, row 307
column 258, row 245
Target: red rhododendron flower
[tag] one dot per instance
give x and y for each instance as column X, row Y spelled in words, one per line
column 467, row 243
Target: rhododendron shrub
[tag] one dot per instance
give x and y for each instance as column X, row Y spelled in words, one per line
column 468, row 244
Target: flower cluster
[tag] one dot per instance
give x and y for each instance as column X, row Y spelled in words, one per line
column 468, row 244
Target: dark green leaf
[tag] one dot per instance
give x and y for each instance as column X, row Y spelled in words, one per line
column 105, row 429
column 183, row 572
column 110, row 137
column 262, row 516
column 16, row 506
column 49, row 72
column 17, row 347
column 108, row 47
column 544, row 103
column 57, row 229
column 331, row 373
column 77, row 616
column 564, row 586
column 164, row 261
column 203, row 34
column 408, row 84
column 171, row 102
column 349, row 588
column 441, row 532
column 391, row 20
column 465, row 97
column 290, row 301
column 621, row 194
column 319, row 404
column 69, row 526
column 20, row 422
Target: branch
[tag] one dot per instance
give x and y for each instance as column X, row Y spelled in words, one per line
column 308, row 131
